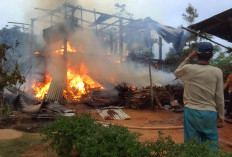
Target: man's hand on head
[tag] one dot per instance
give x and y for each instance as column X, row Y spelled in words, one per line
column 192, row 54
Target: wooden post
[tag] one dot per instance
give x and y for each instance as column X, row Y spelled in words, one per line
column 31, row 49
column 151, row 87
column 65, row 49
column 51, row 20
column 160, row 49
column 160, row 53
column 81, row 17
column 120, row 37
column 95, row 17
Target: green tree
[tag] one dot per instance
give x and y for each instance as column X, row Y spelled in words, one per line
column 9, row 75
column 191, row 43
column 222, row 60
column 190, row 14
column 121, row 10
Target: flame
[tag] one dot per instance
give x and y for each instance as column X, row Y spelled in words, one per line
column 79, row 84
column 117, row 61
column 123, row 59
column 108, row 54
column 37, row 53
column 41, row 89
column 80, row 49
column 112, row 80
column 133, row 87
column 70, row 49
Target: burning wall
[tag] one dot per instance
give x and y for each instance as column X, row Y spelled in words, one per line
column 77, row 83
column 90, row 66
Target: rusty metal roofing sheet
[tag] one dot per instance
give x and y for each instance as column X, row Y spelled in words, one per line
column 113, row 114
column 55, row 91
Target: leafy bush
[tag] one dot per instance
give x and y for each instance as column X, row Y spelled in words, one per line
column 64, row 132
column 6, row 111
column 166, row 147
column 83, row 135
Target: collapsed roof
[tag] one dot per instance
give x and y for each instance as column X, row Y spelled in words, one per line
column 169, row 34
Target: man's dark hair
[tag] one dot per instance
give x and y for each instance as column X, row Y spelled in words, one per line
column 205, row 56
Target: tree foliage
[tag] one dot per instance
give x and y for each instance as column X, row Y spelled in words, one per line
column 190, row 14
column 82, row 134
column 222, row 59
column 9, row 75
column 121, row 10
column 191, row 43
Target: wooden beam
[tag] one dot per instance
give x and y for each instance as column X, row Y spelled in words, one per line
column 160, row 49
column 151, row 87
column 96, row 12
column 95, row 19
column 202, row 36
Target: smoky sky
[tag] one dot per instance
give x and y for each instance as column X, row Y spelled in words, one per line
column 167, row 12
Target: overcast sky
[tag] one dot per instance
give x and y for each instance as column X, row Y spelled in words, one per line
column 167, row 12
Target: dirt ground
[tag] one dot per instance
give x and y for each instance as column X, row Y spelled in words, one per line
column 8, row 134
column 141, row 119
column 153, row 119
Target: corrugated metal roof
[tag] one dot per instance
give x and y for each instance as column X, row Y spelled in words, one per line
column 113, row 114
column 59, row 108
column 55, row 92
column 219, row 25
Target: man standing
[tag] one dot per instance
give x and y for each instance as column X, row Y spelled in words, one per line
column 229, row 82
column 203, row 95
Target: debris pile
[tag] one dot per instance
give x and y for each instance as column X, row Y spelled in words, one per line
column 141, row 98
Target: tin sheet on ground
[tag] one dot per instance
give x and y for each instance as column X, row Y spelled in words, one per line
column 113, row 114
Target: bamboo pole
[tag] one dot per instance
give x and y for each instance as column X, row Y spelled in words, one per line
column 81, row 17
column 151, row 86
column 95, row 19
column 202, row 36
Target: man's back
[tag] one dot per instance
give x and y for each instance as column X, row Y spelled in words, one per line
column 203, row 89
column 203, row 95
column 201, row 86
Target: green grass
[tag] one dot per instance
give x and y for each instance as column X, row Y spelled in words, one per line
column 15, row 147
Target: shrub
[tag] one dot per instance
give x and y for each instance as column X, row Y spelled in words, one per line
column 6, row 111
column 64, row 132
column 83, row 135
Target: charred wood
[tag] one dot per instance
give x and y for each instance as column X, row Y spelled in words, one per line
column 141, row 98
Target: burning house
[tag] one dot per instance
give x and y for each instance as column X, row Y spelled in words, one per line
column 83, row 60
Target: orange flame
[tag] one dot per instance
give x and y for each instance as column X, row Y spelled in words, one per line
column 112, row 80
column 117, row 61
column 41, row 89
column 37, row 53
column 134, row 87
column 78, row 84
column 80, row 49
column 70, row 49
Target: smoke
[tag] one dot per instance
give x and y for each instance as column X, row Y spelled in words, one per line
column 103, row 68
